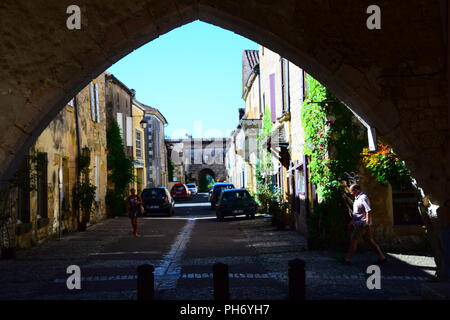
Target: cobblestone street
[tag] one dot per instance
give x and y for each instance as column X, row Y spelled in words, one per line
column 184, row 248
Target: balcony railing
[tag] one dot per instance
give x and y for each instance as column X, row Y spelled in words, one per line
column 247, row 124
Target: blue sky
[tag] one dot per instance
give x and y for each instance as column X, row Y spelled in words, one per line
column 193, row 75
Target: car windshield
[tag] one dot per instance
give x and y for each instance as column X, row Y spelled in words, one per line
column 147, row 193
column 237, row 195
column 223, row 187
column 191, row 185
column 178, row 188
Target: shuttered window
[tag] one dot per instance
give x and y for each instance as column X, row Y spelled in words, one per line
column 97, row 178
column 273, row 110
column 138, row 144
column 285, row 85
column 65, row 185
column 129, row 129
column 42, row 185
column 92, row 100
column 24, row 193
column 95, row 102
column 120, row 122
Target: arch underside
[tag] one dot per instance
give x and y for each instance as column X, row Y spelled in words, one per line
column 394, row 78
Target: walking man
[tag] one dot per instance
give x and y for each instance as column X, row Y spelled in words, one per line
column 361, row 221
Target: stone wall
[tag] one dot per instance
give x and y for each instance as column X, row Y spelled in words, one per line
column 395, row 78
column 59, row 142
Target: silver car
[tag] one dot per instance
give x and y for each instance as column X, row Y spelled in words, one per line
column 192, row 188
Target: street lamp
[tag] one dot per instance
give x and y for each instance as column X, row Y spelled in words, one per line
column 143, row 124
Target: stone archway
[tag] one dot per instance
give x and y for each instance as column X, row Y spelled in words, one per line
column 203, row 179
column 395, row 78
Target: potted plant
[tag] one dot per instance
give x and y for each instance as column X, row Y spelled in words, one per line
column 7, row 234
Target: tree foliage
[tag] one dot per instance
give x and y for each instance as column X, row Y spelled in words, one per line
column 120, row 171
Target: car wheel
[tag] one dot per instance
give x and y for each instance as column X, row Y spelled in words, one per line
column 253, row 216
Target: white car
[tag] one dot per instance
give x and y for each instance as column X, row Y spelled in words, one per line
column 192, row 188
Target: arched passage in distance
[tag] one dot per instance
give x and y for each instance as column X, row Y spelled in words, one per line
column 206, row 178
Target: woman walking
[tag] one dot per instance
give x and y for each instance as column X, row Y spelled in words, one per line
column 134, row 203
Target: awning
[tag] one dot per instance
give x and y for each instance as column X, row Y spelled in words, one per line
column 277, row 143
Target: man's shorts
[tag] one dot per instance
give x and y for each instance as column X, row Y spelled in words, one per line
column 361, row 231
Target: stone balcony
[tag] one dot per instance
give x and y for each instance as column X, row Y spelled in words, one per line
column 249, row 124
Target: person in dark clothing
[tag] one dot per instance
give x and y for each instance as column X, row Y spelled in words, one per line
column 134, row 203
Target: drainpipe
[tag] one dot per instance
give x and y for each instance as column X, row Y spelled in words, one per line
column 77, row 127
column 259, row 91
column 132, row 96
column 75, row 104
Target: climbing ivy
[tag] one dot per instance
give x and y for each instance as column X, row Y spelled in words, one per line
column 170, row 168
column 84, row 191
column 333, row 143
column 267, row 126
column 26, row 178
column 267, row 195
column 120, row 171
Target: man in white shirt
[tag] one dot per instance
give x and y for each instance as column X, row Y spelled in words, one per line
column 361, row 221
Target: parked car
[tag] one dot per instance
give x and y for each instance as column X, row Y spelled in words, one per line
column 216, row 190
column 209, row 194
column 192, row 188
column 158, row 199
column 180, row 191
column 233, row 202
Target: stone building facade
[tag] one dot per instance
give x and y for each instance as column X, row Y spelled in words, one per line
column 48, row 210
column 119, row 107
column 139, row 147
column 199, row 157
column 156, row 155
column 274, row 91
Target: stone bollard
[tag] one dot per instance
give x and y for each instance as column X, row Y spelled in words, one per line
column 221, row 281
column 297, row 279
column 145, row 282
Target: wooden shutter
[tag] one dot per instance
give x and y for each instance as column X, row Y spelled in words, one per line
column 97, row 103
column 97, row 178
column 129, row 132
column 120, row 122
column 273, row 110
column 92, row 100
column 286, row 91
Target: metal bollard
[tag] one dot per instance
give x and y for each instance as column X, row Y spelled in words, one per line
column 297, row 279
column 221, row 281
column 145, row 282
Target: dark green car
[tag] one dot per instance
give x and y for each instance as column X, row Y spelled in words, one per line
column 234, row 202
